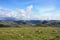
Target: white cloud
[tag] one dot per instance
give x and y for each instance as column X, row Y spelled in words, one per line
column 46, row 9
column 28, row 14
column 50, row 17
column 19, row 14
column 29, row 8
column 7, row 13
column 48, row 13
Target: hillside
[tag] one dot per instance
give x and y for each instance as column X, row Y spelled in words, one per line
column 24, row 23
column 30, row 33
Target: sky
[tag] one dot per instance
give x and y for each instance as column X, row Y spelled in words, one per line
column 30, row 9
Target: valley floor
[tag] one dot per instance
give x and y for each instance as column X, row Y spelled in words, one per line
column 30, row 33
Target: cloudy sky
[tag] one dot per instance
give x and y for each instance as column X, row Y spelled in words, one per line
column 30, row 9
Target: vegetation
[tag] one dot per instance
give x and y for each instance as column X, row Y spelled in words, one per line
column 30, row 33
column 24, row 23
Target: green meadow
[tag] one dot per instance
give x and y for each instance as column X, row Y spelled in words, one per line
column 30, row 33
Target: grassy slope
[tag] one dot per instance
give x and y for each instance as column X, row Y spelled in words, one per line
column 30, row 33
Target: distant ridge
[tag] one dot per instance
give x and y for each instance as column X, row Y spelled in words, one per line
column 20, row 23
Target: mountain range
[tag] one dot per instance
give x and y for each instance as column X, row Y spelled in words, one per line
column 24, row 23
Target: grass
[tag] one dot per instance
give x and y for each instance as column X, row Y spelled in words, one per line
column 30, row 33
